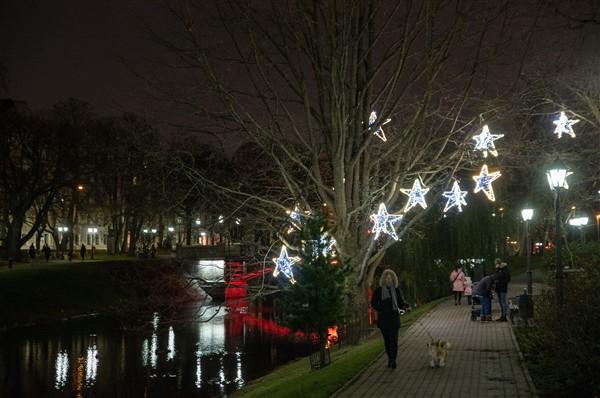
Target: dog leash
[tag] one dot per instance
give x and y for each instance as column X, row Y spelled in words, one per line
column 425, row 329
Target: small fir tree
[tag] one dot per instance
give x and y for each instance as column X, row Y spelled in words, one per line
column 316, row 301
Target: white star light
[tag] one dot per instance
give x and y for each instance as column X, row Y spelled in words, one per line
column 324, row 246
column 284, row 264
column 416, row 195
column 564, row 125
column 379, row 132
column 295, row 214
column 384, row 222
column 485, row 141
column 327, row 242
column 296, row 219
column 484, row 182
column 455, row 197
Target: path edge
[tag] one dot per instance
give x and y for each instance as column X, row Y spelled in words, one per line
column 523, row 364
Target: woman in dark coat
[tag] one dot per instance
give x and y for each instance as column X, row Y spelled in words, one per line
column 387, row 300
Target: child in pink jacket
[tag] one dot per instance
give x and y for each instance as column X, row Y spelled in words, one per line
column 468, row 289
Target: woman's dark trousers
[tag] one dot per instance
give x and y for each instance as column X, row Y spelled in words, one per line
column 390, row 339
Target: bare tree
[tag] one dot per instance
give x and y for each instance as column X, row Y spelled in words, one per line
column 300, row 80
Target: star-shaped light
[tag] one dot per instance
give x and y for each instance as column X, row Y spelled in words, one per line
column 564, row 125
column 379, row 132
column 327, row 242
column 484, row 182
column 455, row 197
column 296, row 219
column 284, row 264
column 324, row 246
column 485, row 141
column 295, row 214
column 416, row 195
column 384, row 222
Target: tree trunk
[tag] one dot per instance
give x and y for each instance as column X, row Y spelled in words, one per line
column 13, row 239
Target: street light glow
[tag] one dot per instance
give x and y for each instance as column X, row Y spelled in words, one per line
column 527, row 214
column 579, row 221
column 153, row 230
column 557, row 175
column 171, row 229
column 197, row 221
column 92, row 230
column 145, row 230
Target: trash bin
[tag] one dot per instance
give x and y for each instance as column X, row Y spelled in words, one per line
column 525, row 306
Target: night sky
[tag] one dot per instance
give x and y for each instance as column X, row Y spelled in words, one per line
column 53, row 50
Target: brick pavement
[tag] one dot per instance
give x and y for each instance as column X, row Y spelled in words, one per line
column 483, row 360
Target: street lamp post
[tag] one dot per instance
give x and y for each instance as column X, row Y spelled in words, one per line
column 557, row 179
column 527, row 215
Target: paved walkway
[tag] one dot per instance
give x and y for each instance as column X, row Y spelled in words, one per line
column 483, row 360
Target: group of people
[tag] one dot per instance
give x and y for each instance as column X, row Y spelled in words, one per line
column 47, row 251
column 484, row 289
column 388, row 300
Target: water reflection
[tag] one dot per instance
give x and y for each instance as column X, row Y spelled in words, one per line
column 238, row 362
column 62, row 370
column 198, row 382
column 211, row 330
column 207, row 356
column 171, row 344
column 91, row 365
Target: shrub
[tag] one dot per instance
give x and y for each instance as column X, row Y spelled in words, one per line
column 562, row 348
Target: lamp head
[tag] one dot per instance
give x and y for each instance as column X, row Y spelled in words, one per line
column 557, row 175
column 527, row 214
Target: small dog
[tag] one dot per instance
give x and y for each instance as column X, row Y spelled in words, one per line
column 438, row 350
column 513, row 311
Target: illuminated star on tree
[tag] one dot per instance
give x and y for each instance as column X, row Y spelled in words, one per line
column 379, row 132
column 564, row 125
column 384, row 222
column 416, row 195
column 485, row 141
column 484, row 182
column 295, row 214
column 284, row 264
column 327, row 242
column 296, row 219
column 324, row 246
column 455, row 197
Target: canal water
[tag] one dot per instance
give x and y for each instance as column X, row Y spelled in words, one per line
column 210, row 351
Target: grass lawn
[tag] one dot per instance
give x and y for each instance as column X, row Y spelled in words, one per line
column 297, row 380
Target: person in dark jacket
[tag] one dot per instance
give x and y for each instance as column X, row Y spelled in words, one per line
column 387, row 300
column 502, row 288
column 82, row 251
column 483, row 289
column 46, row 249
column 32, row 251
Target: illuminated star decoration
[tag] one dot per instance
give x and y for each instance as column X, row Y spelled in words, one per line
column 455, row 197
column 379, row 132
column 384, row 222
column 484, row 182
column 296, row 218
column 295, row 214
column 485, row 141
column 416, row 195
column 327, row 242
column 284, row 264
column 564, row 125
